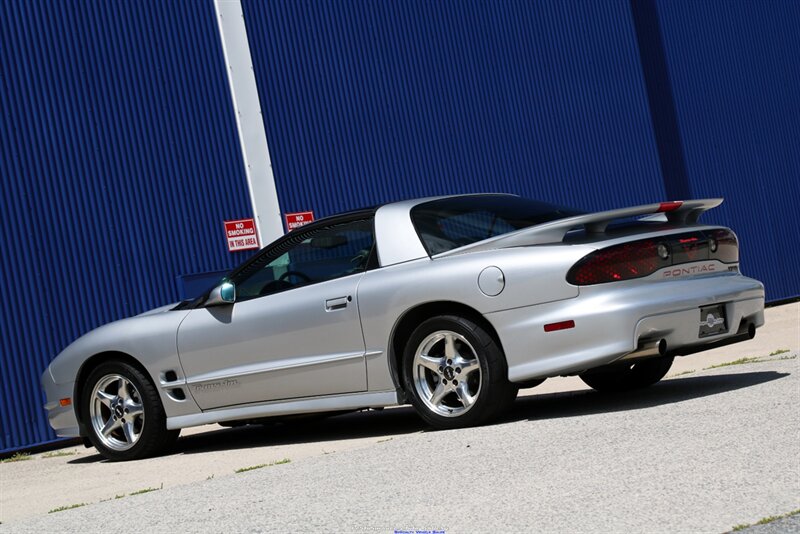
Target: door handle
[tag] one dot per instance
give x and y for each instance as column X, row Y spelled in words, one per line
column 337, row 303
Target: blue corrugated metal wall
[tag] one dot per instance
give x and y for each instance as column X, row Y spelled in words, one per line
column 119, row 162
column 735, row 71
column 368, row 101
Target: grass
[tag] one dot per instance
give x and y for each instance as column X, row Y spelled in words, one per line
column 70, row 507
column 753, row 359
column 259, row 466
column 765, row 520
column 22, row 456
column 740, row 361
column 56, row 454
column 690, row 371
column 142, row 491
column 17, row 457
column 779, row 351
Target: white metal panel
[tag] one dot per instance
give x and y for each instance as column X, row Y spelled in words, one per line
column 253, row 137
column 397, row 239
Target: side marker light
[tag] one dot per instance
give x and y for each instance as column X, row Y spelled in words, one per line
column 563, row 325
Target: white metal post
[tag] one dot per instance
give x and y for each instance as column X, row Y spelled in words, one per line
column 249, row 120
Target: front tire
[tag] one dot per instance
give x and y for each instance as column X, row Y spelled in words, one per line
column 455, row 373
column 123, row 413
column 617, row 378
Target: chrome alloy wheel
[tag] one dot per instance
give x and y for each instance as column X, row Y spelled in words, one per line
column 116, row 412
column 447, row 373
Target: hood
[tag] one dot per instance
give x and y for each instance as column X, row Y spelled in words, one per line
column 160, row 309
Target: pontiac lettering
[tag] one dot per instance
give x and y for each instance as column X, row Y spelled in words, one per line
column 690, row 270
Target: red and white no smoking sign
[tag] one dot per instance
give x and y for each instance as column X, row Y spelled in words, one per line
column 296, row 220
column 241, row 234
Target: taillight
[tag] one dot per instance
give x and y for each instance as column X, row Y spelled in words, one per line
column 642, row 258
column 689, row 247
column 723, row 246
column 620, row 262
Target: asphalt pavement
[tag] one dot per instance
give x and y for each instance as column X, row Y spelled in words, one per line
column 696, row 453
column 784, row 525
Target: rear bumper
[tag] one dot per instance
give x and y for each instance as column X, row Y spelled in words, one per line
column 62, row 418
column 611, row 320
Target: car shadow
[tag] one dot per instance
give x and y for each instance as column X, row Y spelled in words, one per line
column 356, row 425
column 589, row 402
column 403, row 420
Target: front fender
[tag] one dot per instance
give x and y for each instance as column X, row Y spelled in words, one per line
column 150, row 339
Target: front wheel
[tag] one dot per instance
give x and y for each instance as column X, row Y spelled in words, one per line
column 628, row 376
column 456, row 373
column 123, row 413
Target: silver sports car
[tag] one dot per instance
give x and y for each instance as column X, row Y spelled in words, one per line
column 451, row 304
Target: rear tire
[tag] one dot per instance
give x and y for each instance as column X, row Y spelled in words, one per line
column 627, row 376
column 123, row 414
column 455, row 373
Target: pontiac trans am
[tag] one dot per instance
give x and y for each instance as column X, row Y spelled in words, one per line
column 451, row 304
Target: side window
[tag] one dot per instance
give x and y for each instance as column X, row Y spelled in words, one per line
column 309, row 257
column 449, row 231
column 466, row 228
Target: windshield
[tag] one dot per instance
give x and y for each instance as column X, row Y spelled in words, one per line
column 454, row 222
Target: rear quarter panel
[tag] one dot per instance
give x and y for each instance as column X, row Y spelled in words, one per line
column 533, row 275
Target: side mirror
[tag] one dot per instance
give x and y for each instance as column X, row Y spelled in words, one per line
column 223, row 294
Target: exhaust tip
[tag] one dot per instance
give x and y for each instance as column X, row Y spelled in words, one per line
column 751, row 330
column 648, row 349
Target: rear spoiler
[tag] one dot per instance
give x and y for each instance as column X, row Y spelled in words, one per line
column 678, row 212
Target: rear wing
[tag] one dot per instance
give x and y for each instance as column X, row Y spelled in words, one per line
column 679, row 213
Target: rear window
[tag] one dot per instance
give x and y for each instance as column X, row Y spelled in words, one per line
column 450, row 223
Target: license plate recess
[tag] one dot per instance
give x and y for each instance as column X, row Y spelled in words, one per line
column 713, row 320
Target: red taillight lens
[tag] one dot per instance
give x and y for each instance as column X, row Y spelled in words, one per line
column 622, row 262
column 642, row 258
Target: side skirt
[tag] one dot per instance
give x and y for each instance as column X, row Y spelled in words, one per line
column 328, row 403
